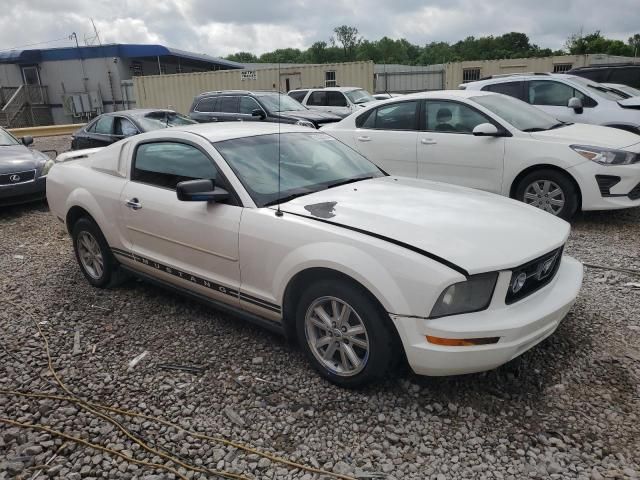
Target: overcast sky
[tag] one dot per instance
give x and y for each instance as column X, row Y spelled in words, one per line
column 221, row 27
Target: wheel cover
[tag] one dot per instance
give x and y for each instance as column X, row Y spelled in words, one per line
column 337, row 336
column 90, row 255
column 545, row 194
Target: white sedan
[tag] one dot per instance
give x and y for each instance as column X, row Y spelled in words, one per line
column 497, row 143
column 305, row 236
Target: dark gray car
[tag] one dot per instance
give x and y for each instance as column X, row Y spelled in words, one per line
column 23, row 172
column 255, row 106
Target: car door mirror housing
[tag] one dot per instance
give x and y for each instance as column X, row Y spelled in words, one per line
column 200, row 191
column 576, row 104
column 486, row 130
column 258, row 112
column 26, row 141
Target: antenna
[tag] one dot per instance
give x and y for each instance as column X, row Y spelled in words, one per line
column 278, row 211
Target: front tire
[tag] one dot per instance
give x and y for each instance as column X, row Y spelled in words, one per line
column 92, row 252
column 549, row 190
column 344, row 333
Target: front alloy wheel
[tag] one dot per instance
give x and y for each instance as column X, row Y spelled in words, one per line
column 550, row 190
column 546, row 195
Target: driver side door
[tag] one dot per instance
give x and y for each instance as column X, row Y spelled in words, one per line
column 191, row 245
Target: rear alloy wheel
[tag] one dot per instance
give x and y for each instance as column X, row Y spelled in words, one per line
column 92, row 252
column 344, row 333
column 550, row 191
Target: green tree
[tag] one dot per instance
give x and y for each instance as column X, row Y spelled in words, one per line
column 242, row 57
column 634, row 42
column 348, row 37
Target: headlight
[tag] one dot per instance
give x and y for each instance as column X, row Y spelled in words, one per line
column 606, row 156
column 472, row 295
column 305, row 123
column 46, row 167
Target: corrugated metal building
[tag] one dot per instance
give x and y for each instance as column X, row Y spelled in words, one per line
column 177, row 91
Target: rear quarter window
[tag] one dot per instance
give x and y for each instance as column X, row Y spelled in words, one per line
column 299, row 95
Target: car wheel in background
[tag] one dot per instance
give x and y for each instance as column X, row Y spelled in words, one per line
column 549, row 190
column 344, row 333
column 92, row 252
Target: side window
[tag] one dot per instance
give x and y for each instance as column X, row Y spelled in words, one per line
column 228, row 105
column 104, row 125
column 336, row 99
column 248, row 105
column 299, row 95
column 165, row 164
column 124, row 127
column 91, row 128
column 207, row 105
column 551, row 93
column 397, row 116
column 627, row 76
column 513, row 89
column 452, row 117
column 318, row 99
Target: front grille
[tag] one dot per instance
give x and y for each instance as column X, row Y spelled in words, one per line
column 605, row 182
column 538, row 273
column 634, row 194
column 17, row 178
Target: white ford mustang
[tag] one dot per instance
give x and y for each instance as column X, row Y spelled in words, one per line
column 364, row 268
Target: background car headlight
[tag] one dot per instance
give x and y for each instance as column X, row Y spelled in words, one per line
column 46, row 167
column 606, row 156
column 305, row 123
column 472, row 295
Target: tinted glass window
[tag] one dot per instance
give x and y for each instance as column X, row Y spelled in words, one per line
column 248, row 105
column 452, row 117
column 317, row 99
column 627, row 76
column 513, row 89
column 165, row 164
column 124, row 127
column 207, row 105
column 396, row 116
column 336, row 99
column 551, row 93
column 228, row 105
column 104, row 125
column 91, row 128
column 299, row 96
column 6, row 138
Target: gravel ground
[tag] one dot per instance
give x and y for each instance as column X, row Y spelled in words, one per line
column 567, row 409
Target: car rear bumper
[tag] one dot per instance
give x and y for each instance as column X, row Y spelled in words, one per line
column 519, row 326
column 624, row 193
column 23, row 192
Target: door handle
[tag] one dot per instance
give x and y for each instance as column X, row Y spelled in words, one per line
column 364, row 139
column 428, row 141
column 133, row 204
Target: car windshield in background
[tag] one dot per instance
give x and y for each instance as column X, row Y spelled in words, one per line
column 359, row 96
column 158, row 120
column 518, row 113
column 601, row 90
column 7, row 139
column 277, row 102
column 309, row 162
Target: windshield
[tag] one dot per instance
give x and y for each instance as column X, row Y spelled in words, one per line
column 518, row 113
column 309, row 162
column 277, row 102
column 158, row 120
column 7, row 139
column 598, row 88
column 359, row 96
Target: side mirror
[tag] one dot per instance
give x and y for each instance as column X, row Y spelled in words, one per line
column 26, row 141
column 258, row 112
column 200, row 191
column 576, row 104
column 486, row 130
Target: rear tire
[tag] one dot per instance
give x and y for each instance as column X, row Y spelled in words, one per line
column 93, row 253
column 549, row 190
column 345, row 334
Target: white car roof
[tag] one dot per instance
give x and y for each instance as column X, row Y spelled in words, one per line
column 442, row 94
column 217, row 132
column 518, row 76
column 334, row 89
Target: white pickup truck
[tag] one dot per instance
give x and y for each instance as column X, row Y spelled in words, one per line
column 288, row 227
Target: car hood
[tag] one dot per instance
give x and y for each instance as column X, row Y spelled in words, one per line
column 310, row 115
column 474, row 230
column 632, row 102
column 584, row 134
column 18, row 158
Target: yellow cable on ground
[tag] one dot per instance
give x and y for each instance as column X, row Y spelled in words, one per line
column 90, row 445
column 90, row 406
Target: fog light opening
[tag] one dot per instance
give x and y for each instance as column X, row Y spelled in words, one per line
column 462, row 342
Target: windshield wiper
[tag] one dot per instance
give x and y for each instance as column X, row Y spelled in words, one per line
column 287, row 198
column 558, row 125
column 534, row 129
column 350, row 180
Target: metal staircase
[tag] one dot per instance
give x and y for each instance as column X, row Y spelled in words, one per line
column 24, row 106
